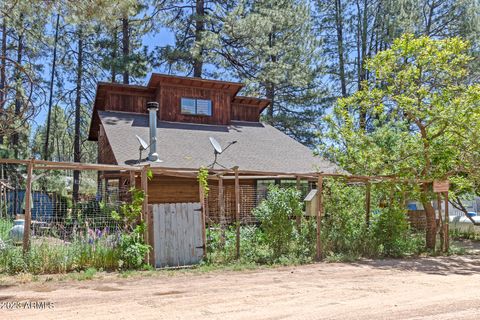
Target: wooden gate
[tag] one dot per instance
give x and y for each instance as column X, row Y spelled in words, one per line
column 177, row 234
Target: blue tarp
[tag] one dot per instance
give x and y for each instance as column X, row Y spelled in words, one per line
column 42, row 204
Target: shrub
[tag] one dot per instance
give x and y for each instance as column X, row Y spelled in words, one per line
column 392, row 233
column 133, row 249
column 275, row 215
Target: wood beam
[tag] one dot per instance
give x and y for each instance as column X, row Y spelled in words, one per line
column 319, row 255
column 237, row 212
column 28, row 208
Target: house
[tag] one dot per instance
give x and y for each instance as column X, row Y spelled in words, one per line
column 177, row 116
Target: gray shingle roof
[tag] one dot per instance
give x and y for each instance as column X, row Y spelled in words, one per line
column 259, row 147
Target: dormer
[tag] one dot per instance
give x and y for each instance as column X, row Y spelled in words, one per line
column 180, row 99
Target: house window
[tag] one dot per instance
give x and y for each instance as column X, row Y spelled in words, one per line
column 196, row 106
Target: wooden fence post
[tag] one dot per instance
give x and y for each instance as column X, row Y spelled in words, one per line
column 201, row 194
column 237, row 211
column 440, row 220
column 132, row 179
column 221, row 205
column 319, row 255
column 299, row 218
column 144, row 183
column 367, row 203
column 28, row 208
column 447, row 217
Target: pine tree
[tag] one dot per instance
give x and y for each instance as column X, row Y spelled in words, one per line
column 269, row 45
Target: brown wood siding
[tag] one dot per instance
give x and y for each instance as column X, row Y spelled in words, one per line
column 105, row 153
column 245, row 112
column 163, row 189
column 169, row 98
column 128, row 101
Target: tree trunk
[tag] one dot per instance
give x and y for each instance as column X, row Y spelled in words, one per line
column 341, row 55
column 50, row 99
column 18, row 95
column 431, row 231
column 199, row 29
column 114, row 56
column 271, row 96
column 362, row 51
column 126, row 50
column 78, row 104
column 3, row 66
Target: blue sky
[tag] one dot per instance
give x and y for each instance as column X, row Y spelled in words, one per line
column 162, row 38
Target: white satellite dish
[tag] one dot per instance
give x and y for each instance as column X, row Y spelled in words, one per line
column 218, row 150
column 216, row 145
column 143, row 144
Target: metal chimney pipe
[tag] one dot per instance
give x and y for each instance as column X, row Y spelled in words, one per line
column 152, row 114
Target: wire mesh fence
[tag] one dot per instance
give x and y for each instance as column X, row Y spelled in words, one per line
column 57, row 212
column 221, row 206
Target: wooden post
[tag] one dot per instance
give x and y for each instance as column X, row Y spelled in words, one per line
column 440, row 220
column 144, row 183
column 201, row 194
column 151, row 237
column 368, row 187
column 447, row 218
column 319, row 255
column 237, row 211
column 28, row 206
column 132, row 179
column 221, row 206
column 299, row 218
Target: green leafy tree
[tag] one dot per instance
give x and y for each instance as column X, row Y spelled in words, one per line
column 425, row 112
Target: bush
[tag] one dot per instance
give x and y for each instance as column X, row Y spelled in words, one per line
column 275, row 215
column 392, row 233
column 133, row 249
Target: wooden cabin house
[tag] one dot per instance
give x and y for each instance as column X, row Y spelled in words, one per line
column 183, row 114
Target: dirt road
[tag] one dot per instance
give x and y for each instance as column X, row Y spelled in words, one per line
column 433, row 288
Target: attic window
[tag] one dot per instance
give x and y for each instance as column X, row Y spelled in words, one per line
column 196, row 106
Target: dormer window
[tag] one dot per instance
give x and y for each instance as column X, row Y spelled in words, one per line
column 201, row 107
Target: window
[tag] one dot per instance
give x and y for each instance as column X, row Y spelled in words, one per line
column 196, row 106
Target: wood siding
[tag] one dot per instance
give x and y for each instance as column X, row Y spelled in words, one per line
column 128, row 101
column 169, row 96
column 105, row 153
column 163, row 189
column 245, row 112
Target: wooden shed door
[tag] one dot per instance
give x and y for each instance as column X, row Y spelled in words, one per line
column 177, row 232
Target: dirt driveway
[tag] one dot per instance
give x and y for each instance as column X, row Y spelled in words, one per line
column 433, row 288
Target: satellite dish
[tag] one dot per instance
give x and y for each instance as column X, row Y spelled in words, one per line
column 218, row 150
column 216, row 145
column 143, row 144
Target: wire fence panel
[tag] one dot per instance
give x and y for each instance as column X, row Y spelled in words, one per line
column 250, row 197
column 55, row 212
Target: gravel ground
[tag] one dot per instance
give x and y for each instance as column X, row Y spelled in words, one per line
column 427, row 288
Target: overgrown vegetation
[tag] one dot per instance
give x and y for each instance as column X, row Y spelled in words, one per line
column 277, row 239
column 93, row 249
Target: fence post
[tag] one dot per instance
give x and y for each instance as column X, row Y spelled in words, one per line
column 440, row 219
column 132, row 179
column 237, row 211
column 319, row 216
column 201, row 194
column 221, row 204
column 298, row 218
column 144, row 183
column 447, row 218
column 367, row 203
column 28, row 206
